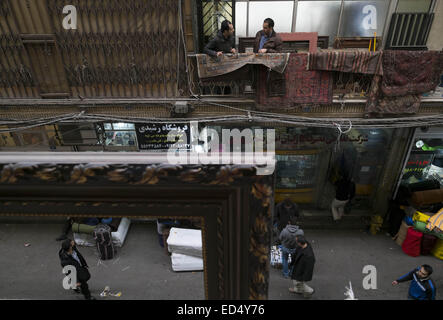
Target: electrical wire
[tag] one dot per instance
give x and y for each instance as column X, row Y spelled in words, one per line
column 358, row 123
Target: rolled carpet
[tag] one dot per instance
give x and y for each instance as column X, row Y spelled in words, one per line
column 82, row 228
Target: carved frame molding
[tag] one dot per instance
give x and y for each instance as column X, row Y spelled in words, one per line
column 233, row 203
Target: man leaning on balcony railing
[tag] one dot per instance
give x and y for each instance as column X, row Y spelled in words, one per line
column 223, row 42
column 267, row 40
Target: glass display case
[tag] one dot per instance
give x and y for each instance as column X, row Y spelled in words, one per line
column 425, row 162
column 120, row 134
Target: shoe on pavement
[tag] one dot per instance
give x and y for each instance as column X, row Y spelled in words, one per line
column 295, row 290
column 307, row 294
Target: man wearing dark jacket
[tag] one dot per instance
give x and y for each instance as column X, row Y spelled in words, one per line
column 345, row 192
column 223, row 42
column 422, row 287
column 70, row 256
column 267, row 40
column 283, row 212
column 288, row 238
column 302, row 268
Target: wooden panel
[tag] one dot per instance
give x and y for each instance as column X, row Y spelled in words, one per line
column 312, row 37
column 357, row 42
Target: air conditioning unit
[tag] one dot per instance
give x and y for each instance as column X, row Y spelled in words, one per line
column 409, row 31
column 78, row 134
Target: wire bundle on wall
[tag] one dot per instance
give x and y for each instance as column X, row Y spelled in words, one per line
column 250, row 116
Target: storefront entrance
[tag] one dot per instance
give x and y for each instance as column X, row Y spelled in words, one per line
column 424, row 164
column 311, row 160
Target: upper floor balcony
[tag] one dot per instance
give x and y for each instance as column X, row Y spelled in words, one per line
column 115, row 53
column 323, row 77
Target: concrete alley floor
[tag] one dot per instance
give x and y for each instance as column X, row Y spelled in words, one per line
column 340, row 258
column 142, row 269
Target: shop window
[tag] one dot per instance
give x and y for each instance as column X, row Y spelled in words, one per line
column 77, row 134
column 31, row 139
column 413, row 6
column 310, row 161
column 425, row 162
column 240, row 20
column 120, row 134
column 6, row 140
column 279, row 11
column 296, row 171
column 318, row 16
column 223, row 147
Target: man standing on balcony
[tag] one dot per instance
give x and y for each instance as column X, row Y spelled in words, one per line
column 223, row 42
column 267, row 40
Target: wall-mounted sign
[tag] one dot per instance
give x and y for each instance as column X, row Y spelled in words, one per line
column 288, row 140
column 363, row 18
column 155, row 136
column 418, row 162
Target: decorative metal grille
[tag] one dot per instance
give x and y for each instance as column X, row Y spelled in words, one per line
column 123, row 48
column 212, row 13
column 16, row 79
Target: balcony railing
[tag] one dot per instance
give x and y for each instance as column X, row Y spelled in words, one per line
column 243, row 83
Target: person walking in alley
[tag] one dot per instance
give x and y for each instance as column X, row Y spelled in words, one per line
column 267, row 40
column 223, row 42
column 283, row 212
column 70, row 256
column 302, row 267
column 288, row 238
column 67, row 225
column 345, row 192
column 422, row 287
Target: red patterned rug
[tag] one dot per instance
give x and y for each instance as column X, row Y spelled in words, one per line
column 296, row 86
column 346, row 61
column 410, row 72
column 406, row 75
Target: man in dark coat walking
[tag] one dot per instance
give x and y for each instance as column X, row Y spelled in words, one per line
column 70, row 256
column 302, row 268
column 345, row 192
